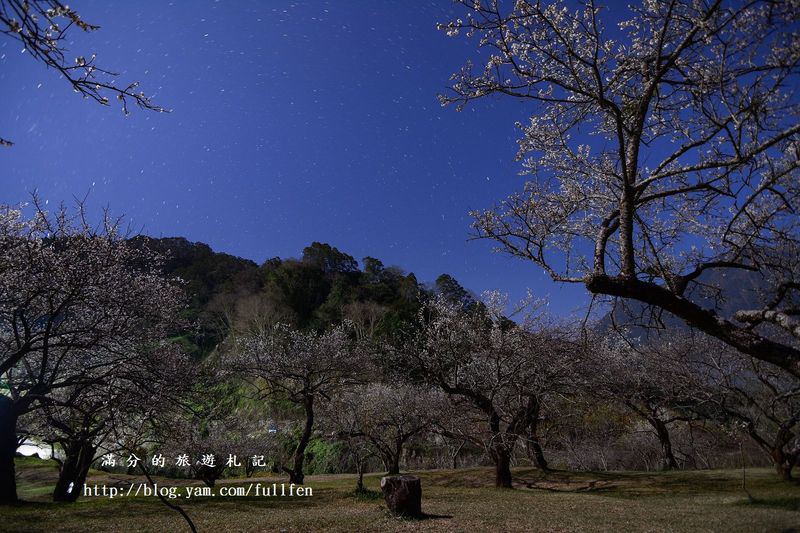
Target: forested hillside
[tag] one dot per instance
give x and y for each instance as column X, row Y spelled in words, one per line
column 320, row 289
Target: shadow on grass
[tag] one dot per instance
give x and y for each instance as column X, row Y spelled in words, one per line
column 631, row 485
column 366, row 495
column 591, row 486
column 787, row 503
column 374, row 495
column 564, row 481
column 427, row 516
column 86, row 508
column 422, row 517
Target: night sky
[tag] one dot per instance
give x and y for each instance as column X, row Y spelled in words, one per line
column 291, row 122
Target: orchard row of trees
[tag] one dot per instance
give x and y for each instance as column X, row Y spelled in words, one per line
column 99, row 357
column 463, row 373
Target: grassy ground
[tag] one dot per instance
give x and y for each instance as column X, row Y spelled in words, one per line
column 461, row 500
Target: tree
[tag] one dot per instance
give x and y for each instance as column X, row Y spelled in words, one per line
column 373, row 268
column 366, row 318
column 450, row 289
column 487, row 364
column 302, row 367
column 666, row 151
column 76, row 433
column 328, row 258
column 389, row 416
column 341, row 420
column 115, row 411
column 644, row 382
column 42, row 28
column 744, row 394
column 76, row 302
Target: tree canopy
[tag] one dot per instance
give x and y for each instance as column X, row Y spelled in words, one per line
column 658, row 151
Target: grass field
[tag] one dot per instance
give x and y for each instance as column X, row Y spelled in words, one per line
column 460, row 500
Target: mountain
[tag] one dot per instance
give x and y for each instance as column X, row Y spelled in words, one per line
column 324, row 287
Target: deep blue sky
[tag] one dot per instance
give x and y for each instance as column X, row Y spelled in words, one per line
column 291, row 122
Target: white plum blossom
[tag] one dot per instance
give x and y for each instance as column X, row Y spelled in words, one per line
column 653, row 157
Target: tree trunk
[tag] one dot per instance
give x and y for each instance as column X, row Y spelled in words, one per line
column 538, row 455
column 296, row 474
column 8, row 448
column 535, row 451
column 73, row 471
column 360, row 482
column 501, row 454
column 784, row 471
column 391, row 462
column 668, row 458
column 783, row 464
column 394, row 459
column 502, row 464
column 454, row 456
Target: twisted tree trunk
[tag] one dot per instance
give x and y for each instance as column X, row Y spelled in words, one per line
column 538, row 454
column 500, row 452
column 535, row 451
column 502, row 461
column 393, row 465
column 296, row 474
column 782, row 466
column 73, row 471
column 394, row 458
column 668, row 458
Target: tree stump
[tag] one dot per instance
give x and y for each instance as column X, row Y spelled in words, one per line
column 403, row 495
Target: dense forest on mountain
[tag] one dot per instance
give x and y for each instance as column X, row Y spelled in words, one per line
column 318, row 290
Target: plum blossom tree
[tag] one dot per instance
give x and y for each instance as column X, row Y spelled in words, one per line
column 645, row 382
column 388, row 416
column 76, row 303
column 117, row 410
column 341, row 421
column 302, row 367
column 743, row 394
column 658, row 152
column 491, row 366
